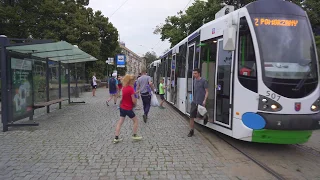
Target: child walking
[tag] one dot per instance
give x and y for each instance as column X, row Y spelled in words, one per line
column 126, row 107
column 162, row 87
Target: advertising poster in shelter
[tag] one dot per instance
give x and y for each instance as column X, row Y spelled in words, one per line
column 21, row 70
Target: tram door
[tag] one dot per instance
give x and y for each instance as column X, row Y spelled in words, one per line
column 191, row 56
column 222, row 92
column 173, row 80
column 166, row 77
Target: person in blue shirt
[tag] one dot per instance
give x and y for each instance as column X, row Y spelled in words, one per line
column 113, row 89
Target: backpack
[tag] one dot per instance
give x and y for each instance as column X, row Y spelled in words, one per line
column 112, row 85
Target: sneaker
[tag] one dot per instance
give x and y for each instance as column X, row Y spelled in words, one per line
column 161, row 107
column 107, row 103
column 136, row 137
column 117, row 140
column 191, row 133
column 145, row 118
column 205, row 119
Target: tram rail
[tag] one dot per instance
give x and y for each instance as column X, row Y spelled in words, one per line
column 306, row 149
column 259, row 163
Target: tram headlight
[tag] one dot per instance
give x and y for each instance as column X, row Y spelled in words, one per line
column 267, row 104
column 315, row 106
column 274, row 106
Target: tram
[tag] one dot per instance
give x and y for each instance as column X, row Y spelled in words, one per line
column 261, row 65
column 153, row 71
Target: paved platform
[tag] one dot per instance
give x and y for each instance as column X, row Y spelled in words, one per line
column 76, row 143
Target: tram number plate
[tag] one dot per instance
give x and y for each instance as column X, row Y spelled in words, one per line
column 273, row 96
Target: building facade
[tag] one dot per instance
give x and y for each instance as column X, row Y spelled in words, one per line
column 134, row 63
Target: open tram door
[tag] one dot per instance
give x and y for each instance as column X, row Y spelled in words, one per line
column 168, row 77
column 223, row 86
column 161, row 71
column 193, row 62
column 173, row 83
column 190, row 60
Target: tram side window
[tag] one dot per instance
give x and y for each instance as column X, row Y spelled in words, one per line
column 181, row 60
column 169, row 66
column 247, row 68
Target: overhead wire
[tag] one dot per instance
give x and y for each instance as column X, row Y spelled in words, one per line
column 187, row 5
column 118, row 8
column 163, row 41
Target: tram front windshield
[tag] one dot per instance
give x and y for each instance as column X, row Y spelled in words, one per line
column 287, row 51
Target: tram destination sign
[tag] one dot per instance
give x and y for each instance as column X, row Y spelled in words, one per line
column 275, row 22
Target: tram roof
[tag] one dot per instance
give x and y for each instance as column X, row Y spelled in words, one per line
column 54, row 51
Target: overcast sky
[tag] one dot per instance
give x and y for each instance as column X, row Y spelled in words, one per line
column 136, row 21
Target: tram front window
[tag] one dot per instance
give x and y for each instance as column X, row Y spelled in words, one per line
column 287, row 54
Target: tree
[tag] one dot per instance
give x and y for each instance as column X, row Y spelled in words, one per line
column 237, row 3
column 176, row 28
column 67, row 20
column 150, row 57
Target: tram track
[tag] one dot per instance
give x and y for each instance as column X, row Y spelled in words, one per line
column 299, row 154
column 262, row 165
column 277, row 161
column 259, row 163
column 306, row 149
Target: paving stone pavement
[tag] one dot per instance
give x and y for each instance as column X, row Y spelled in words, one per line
column 76, row 143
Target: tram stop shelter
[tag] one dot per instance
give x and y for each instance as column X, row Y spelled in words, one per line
column 36, row 74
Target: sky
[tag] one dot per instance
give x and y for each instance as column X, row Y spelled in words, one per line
column 137, row 19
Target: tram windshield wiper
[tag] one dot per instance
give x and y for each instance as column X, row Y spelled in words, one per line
column 305, row 77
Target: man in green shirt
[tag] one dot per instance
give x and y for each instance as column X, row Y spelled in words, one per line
column 161, row 93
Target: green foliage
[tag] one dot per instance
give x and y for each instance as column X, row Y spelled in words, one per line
column 39, row 83
column 68, row 20
column 176, row 28
column 317, row 38
column 97, row 68
column 313, row 9
column 150, row 57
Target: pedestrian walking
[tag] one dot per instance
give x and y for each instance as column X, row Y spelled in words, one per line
column 162, row 87
column 200, row 95
column 119, row 86
column 126, row 108
column 136, row 95
column 144, row 87
column 94, row 84
column 113, row 89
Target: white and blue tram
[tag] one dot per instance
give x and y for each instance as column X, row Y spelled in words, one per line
column 262, row 68
column 153, row 71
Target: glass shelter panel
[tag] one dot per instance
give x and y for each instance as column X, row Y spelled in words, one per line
column 39, row 80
